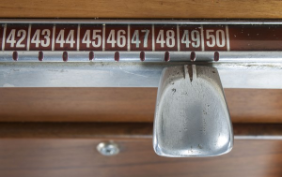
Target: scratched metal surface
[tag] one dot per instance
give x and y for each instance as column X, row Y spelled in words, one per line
column 127, row 74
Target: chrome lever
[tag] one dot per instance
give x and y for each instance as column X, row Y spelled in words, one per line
column 191, row 116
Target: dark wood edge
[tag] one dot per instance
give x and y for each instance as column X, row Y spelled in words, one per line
column 118, row 130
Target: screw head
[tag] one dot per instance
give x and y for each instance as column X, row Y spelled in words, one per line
column 108, row 148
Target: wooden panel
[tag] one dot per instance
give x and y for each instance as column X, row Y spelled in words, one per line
column 122, row 104
column 251, row 105
column 77, row 104
column 73, row 158
column 141, row 9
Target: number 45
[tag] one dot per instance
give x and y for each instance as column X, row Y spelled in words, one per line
column 95, row 43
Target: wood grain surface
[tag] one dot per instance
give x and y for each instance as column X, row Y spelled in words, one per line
column 140, row 9
column 79, row 157
column 122, row 105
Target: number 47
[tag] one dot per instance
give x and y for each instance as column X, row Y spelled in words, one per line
column 135, row 38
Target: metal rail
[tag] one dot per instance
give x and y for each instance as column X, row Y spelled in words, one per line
column 246, row 53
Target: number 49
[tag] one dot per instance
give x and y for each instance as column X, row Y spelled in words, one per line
column 195, row 38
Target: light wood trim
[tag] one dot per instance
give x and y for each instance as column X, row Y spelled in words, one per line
column 140, row 9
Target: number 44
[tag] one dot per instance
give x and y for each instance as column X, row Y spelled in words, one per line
column 69, row 40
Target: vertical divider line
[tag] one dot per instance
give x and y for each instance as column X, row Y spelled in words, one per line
column 28, row 37
column 128, row 38
column 227, row 37
column 202, row 38
column 53, row 37
column 78, row 37
column 178, row 39
column 153, row 37
column 103, row 38
column 4, row 37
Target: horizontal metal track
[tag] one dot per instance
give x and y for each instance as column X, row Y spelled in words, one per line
column 130, row 74
column 73, row 56
column 248, row 51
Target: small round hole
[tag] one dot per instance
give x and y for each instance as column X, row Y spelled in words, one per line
column 166, row 56
column 117, row 56
column 15, row 56
column 216, row 56
column 193, row 56
column 65, row 56
column 142, row 56
column 91, row 55
column 40, row 56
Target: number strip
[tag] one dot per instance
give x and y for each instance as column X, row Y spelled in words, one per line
column 153, row 37
column 78, row 37
column 4, row 37
column 53, row 37
column 104, row 38
column 187, row 38
column 202, row 38
column 28, row 37
column 128, row 38
column 178, row 41
column 227, row 37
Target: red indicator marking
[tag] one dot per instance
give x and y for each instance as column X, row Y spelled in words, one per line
column 190, row 38
column 15, row 56
column 40, row 56
column 16, row 37
column 142, row 56
column 215, row 38
column 141, row 38
column 193, row 56
column 91, row 37
column 216, row 56
column 166, row 56
column 41, row 37
column 65, row 56
column 116, row 56
column 255, row 38
column 116, row 37
column 91, row 55
column 66, row 37
column 165, row 38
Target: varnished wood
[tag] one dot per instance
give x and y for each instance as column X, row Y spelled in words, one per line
column 77, row 104
column 122, row 105
column 119, row 130
column 79, row 157
column 255, row 105
column 140, row 9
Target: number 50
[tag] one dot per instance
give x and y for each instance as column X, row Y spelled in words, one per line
column 215, row 39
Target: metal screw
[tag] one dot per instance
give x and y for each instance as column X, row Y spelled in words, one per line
column 108, row 148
